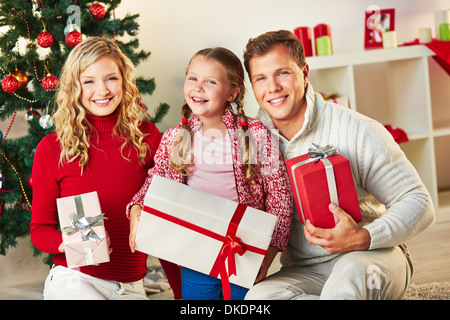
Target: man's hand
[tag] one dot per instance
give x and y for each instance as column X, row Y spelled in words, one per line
column 135, row 215
column 346, row 236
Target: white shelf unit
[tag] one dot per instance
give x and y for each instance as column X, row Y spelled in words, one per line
column 403, row 87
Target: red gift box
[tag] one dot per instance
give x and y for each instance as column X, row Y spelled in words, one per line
column 318, row 178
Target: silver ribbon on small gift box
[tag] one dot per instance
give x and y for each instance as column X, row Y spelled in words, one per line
column 81, row 223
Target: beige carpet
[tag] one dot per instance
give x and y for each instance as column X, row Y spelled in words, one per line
column 428, row 291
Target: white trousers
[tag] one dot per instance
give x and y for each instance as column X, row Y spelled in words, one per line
column 70, row 284
column 381, row 274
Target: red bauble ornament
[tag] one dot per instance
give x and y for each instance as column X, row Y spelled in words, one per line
column 21, row 77
column 98, row 11
column 50, row 82
column 73, row 38
column 10, row 84
column 45, row 39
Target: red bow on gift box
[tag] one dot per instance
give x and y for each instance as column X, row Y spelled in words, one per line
column 231, row 246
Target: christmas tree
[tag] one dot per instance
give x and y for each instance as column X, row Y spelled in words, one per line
column 38, row 36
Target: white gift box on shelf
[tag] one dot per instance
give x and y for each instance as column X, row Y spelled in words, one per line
column 204, row 232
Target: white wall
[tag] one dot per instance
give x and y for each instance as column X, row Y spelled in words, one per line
column 173, row 30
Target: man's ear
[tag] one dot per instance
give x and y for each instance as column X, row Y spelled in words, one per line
column 305, row 71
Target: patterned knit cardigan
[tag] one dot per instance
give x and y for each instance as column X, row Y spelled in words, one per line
column 270, row 193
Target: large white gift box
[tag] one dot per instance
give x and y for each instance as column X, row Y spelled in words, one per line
column 204, row 232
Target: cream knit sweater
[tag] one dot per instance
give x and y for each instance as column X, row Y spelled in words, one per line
column 395, row 204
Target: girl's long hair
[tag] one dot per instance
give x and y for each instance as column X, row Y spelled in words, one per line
column 181, row 158
column 72, row 127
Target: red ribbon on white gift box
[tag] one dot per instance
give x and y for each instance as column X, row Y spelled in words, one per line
column 230, row 247
column 231, row 244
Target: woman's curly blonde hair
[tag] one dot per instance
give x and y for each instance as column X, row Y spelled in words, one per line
column 72, row 127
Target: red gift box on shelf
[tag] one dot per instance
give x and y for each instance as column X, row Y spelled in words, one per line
column 318, row 178
column 83, row 231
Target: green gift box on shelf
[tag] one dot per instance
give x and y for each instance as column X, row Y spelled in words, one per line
column 444, row 31
column 323, row 45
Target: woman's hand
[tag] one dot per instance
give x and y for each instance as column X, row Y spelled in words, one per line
column 61, row 247
column 135, row 215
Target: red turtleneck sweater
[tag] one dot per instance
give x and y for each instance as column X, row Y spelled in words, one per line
column 114, row 178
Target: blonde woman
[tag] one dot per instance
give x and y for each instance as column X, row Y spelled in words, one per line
column 100, row 144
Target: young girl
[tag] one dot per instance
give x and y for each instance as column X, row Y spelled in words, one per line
column 222, row 153
column 100, row 144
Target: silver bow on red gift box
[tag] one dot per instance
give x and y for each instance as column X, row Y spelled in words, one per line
column 317, row 152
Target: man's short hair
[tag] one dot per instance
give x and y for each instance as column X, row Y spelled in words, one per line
column 267, row 41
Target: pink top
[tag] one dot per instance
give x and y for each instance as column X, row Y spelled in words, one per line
column 214, row 172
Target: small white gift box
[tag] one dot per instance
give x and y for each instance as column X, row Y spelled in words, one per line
column 83, row 231
column 204, row 232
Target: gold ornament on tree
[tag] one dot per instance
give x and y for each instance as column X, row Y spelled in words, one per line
column 21, row 77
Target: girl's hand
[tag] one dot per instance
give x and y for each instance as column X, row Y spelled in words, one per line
column 135, row 215
column 267, row 261
column 61, row 247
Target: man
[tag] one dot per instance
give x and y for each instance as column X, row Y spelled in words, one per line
column 350, row 261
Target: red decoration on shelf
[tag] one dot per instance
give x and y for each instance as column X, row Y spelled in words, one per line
column 304, row 35
column 320, row 31
column 440, row 48
column 376, row 22
column 98, row 11
column 442, row 51
column 45, row 39
column 398, row 134
column 73, row 38
column 10, row 84
column 50, row 82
